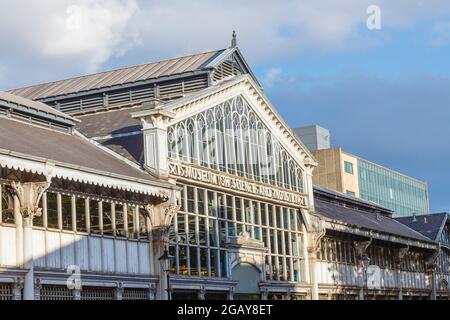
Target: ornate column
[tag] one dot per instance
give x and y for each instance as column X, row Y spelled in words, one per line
column 37, row 289
column 431, row 265
column 160, row 222
column 400, row 255
column 201, row 293
column 155, row 121
column 151, row 292
column 17, row 288
column 231, row 294
column 119, row 291
column 29, row 195
column 315, row 232
column 363, row 259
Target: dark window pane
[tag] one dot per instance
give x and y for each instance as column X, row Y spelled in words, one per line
column 131, row 229
column 183, row 198
column 271, row 216
column 212, row 205
column 190, row 199
column 143, row 232
column 181, row 228
column 94, row 217
column 191, row 225
column 201, row 201
column 66, row 206
column 52, row 211
column 202, row 230
column 120, row 229
column 223, row 263
column 204, row 262
column 81, row 214
column 182, row 254
column 193, row 261
column 214, row 260
column 7, row 209
column 38, row 221
column 107, row 219
column 239, row 216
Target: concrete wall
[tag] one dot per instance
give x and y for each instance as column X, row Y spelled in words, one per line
column 328, row 173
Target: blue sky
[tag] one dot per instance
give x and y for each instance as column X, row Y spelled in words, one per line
column 384, row 94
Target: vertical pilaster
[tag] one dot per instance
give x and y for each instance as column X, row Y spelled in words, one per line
column 154, row 127
column 28, row 288
column 26, row 199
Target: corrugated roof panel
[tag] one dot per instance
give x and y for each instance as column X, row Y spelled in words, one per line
column 116, row 77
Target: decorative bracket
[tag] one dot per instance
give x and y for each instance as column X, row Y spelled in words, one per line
column 29, row 195
column 361, row 248
column 431, row 261
column 161, row 217
column 400, row 255
column 316, row 231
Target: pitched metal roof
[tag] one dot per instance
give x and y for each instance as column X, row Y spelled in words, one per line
column 360, row 218
column 329, row 193
column 29, row 107
column 58, row 147
column 113, row 122
column 118, row 77
column 429, row 225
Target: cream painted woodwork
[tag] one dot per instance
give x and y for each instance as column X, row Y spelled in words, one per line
column 340, row 275
column 59, row 250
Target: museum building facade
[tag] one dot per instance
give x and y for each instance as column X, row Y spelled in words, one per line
column 179, row 180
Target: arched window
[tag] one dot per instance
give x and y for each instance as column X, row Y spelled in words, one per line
column 172, row 143
column 202, row 140
column 279, row 164
column 181, row 142
column 247, row 147
column 292, row 176
column 191, row 141
column 301, row 180
column 262, row 156
column 220, row 136
column 238, row 145
column 271, row 159
column 229, row 138
column 211, row 139
column 254, row 145
column 285, row 170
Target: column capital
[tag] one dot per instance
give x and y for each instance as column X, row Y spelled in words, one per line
column 431, row 262
column 29, row 194
column 400, row 255
column 361, row 248
column 315, row 226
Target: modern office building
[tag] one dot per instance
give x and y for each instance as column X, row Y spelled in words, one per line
column 314, row 137
column 361, row 178
column 178, row 179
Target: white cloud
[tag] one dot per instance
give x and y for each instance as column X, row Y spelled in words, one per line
column 43, row 45
column 271, row 77
column 65, row 36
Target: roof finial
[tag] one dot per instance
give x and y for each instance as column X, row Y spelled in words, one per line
column 234, row 40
